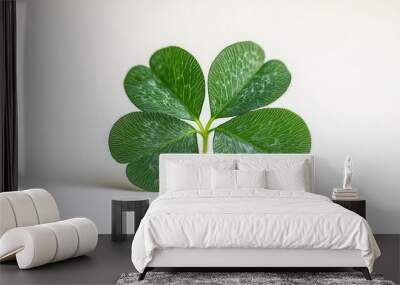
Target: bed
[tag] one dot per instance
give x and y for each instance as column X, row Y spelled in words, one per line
column 246, row 211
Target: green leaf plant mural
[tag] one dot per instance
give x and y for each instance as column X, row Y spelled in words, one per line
column 173, row 89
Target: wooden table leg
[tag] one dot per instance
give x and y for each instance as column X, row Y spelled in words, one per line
column 117, row 221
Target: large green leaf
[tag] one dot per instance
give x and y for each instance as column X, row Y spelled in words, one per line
column 138, row 138
column 174, row 84
column 239, row 80
column 271, row 130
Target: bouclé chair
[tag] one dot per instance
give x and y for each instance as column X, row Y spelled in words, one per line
column 32, row 233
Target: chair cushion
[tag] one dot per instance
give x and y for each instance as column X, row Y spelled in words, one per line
column 7, row 220
column 45, row 205
column 27, row 208
column 40, row 244
column 67, row 239
column 87, row 233
column 23, row 208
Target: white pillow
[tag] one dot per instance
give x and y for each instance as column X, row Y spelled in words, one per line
column 227, row 179
column 287, row 179
column 181, row 178
column 223, row 179
column 290, row 175
column 205, row 162
column 251, row 178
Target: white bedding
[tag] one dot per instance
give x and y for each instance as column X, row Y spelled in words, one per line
column 251, row 218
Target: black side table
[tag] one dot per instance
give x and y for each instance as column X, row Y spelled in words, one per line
column 357, row 206
column 118, row 216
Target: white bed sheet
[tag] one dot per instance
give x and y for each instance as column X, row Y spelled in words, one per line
column 251, row 218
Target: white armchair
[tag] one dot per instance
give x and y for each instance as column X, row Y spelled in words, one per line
column 31, row 230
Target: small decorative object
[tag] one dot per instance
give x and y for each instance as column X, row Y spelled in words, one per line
column 347, row 192
column 348, row 173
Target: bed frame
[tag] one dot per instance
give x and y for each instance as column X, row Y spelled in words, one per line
column 246, row 259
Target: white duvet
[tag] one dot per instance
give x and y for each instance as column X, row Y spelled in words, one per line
column 250, row 219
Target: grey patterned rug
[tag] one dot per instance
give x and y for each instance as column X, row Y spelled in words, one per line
column 269, row 278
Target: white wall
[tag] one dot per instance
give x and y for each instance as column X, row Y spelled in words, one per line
column 343, row 55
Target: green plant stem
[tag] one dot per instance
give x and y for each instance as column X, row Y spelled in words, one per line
column 204, row 132
column 205, row 142
column 198, row 123
column 208, row 125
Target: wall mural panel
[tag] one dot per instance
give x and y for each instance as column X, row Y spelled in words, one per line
column 173, row 88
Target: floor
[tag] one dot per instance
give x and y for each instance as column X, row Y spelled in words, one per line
column 110, row 260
